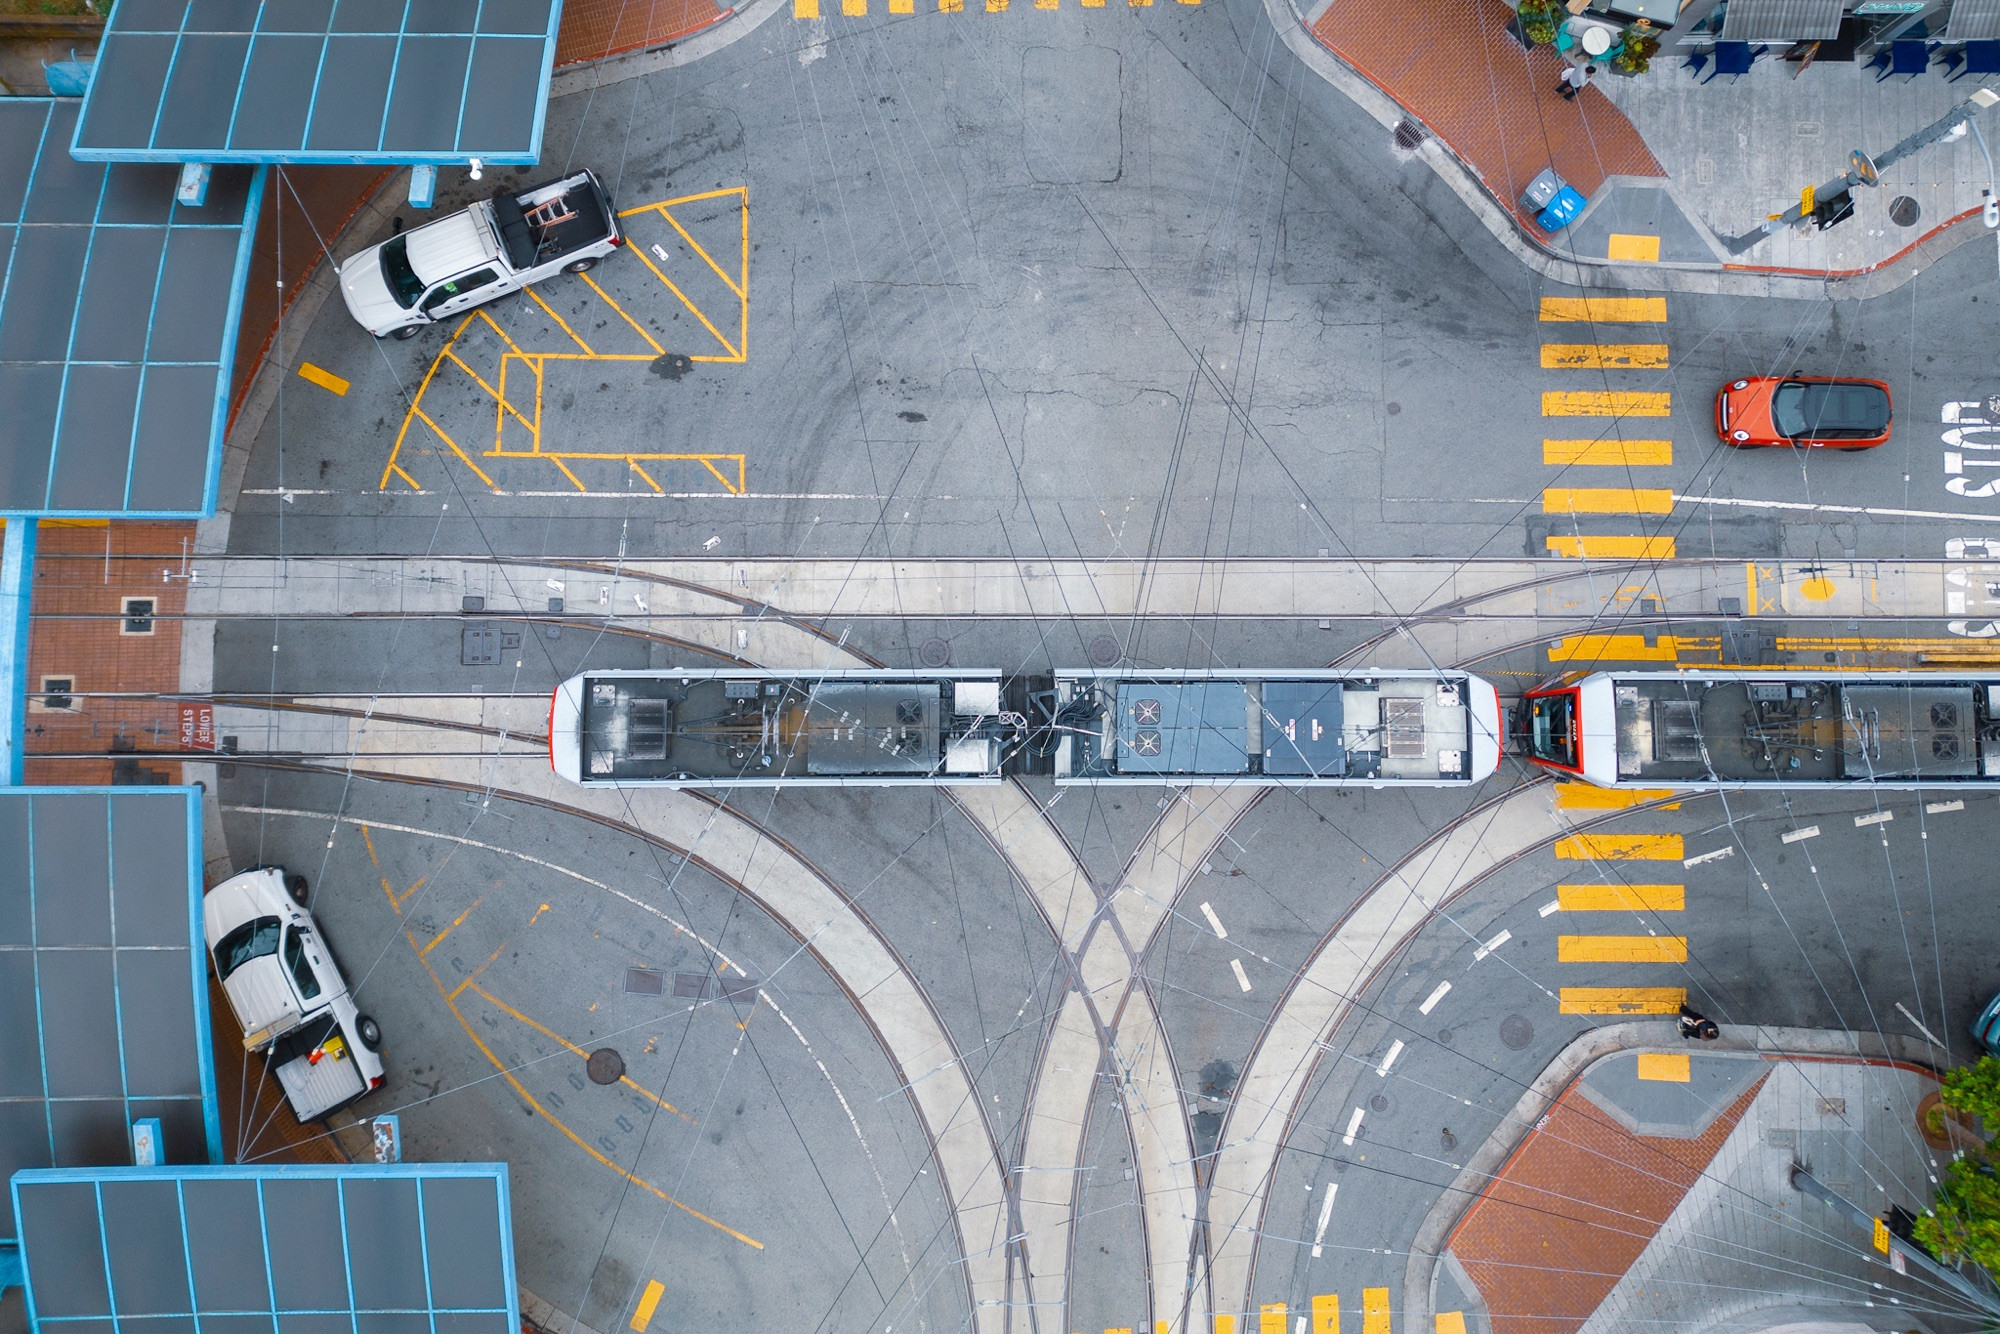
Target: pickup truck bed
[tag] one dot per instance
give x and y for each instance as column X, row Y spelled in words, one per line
column 529, row 245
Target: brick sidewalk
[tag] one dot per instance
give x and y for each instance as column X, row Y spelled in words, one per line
column 1452, row 66
column 1573, row 1208
column 594, row 29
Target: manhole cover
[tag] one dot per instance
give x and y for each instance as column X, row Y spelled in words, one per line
column 1378, row 1103
column 605, row 1066
column 1446, row 1139
column 1444, row 1036
column 1516, row 1032
column 1904, row 211
column 1104, row 651
column 1409, row 134
column 934, row 653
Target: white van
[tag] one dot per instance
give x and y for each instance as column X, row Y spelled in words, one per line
column 287, row 992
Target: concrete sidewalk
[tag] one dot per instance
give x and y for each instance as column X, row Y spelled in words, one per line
column 1672, row 167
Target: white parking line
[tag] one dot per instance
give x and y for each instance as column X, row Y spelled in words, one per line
column 1325, row 1212
column 1242, row 978
column 1797, row 835
column 1879, row 817
column 1353, row 1126
column 1395, row 1050
column 1435, row 997
column 1214, row 921
column 1715, row 856
column 1492, row 945
column 1940, row 807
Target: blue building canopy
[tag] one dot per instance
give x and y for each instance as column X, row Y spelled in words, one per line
column 118, row 320
column 416, row 1248
column 391, row 81
column 103, row 978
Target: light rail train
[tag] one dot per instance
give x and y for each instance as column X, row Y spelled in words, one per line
column 1732, row 729
column 882, row 727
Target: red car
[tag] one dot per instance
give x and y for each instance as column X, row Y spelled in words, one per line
column 1803, row 411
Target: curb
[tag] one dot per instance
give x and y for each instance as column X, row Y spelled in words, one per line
column 547, row 1317
column 1586, row 271
column 1420, row 1274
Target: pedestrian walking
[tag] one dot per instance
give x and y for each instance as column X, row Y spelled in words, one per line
column 1575, row 78
column 1697, row 1027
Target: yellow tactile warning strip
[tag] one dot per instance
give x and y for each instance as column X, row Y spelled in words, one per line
column 325, row 379
column 1606, row 500
column 1625, row 648
column 1604, row 309
column 513, row 367
column 1449, row 1322
column 1606, row 403
column 1603, row 453
column 1604, row 356
column 1634, row 249
column 1621, row 949
column 1666, row 1067
column 1612, row 548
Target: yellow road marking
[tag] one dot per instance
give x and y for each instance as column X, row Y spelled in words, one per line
column 1621, row 949
column 1612, row 548
column 854, row 9
column 1589, row 797
column 1270, row 1319
column 1630, row 648
column 1449, row 1322
column 1617, row 898
column 456, row 922
column 1374, row 1311
column 649, row 1302
column 1326, row 1313
column 1225, row 1324
column 1604, row 356
column 1620, row 848
column 951, row 6
column 325, row 379
column 1607, row 403
column 575, row 1050
column 805, row 9
column 637, row 327
column 1640, row 249
column 1665, row 1067
column 1606, row 500
column 1604, row 310
column 1609, row 453
column 1622, row 1000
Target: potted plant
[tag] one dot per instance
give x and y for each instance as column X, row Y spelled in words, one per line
column 1635, row 49
column 1537, row 22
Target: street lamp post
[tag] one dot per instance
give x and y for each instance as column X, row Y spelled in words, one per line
column 1821, row 202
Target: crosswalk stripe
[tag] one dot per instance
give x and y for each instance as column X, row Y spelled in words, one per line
column 1622, row 1000
column 1620, row 848
column 1621, row 949
column 1374, row 1311
column 1612, row 548
column 1605, row 453
column 1616, row 898
column 1604, row 310
column 1604, row 356
column 1606, row 500
column 1607, row 403
column 1326, row 1313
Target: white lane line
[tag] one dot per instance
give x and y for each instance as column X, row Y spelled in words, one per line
column 1928, row 1035
column 1325, row 1212
column 1836, row 509
column 1879, row 817
column 1395, row 1050
column 1436, row 996
column 1940, row 807
column 1799, row 835
column 1353, row 1126
column 1715, row 856
column 1214, row 921
column 1492, row 945
column 1242, row 978
column 1552, row 906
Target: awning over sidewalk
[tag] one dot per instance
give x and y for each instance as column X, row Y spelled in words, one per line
column 1782, row 20
column 1973, row 21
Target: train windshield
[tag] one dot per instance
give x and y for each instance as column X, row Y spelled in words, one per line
column 1552, row 728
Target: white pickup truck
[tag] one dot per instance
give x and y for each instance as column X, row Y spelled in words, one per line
column 482, row 252
column 287, row 992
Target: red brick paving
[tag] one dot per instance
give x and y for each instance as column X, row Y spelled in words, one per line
column 594, row 29
column 1451, row 64
column 1572, row 1209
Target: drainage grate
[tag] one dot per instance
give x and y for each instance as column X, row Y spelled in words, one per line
column 1409, row 134
column 479, row 646
column 1104, row 651
column 739, row 988
column 691, row 986
column 1904, row 211
column 605, row 1066
column 645, row 982
column 934, row 653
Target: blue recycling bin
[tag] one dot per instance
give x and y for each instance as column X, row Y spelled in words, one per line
column 1562, row 210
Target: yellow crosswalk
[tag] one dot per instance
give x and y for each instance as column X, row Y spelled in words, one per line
column 1606, row 360
column 1621, row 1000
column 1621, row 898
column 1374, row 1311
column 1621, row 949
column 1606, row 500
column 1606, row 403
column 1604, row 309
column 1604, row 356
column 1590, row 797
column 1620, row 848
column 1608, row 453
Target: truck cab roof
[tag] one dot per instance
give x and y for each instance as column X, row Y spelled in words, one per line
column 448, row 247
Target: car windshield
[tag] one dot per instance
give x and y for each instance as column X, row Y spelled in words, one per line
column 252, row 940
column 403, row 282
column 1803, row 410
column 1552, row 736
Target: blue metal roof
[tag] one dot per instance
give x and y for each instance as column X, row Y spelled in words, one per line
column 103, row 977
column 391, row 81
column 414, row 1248
column 118, row 321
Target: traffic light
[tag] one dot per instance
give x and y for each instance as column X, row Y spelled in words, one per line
column 1832, row 210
